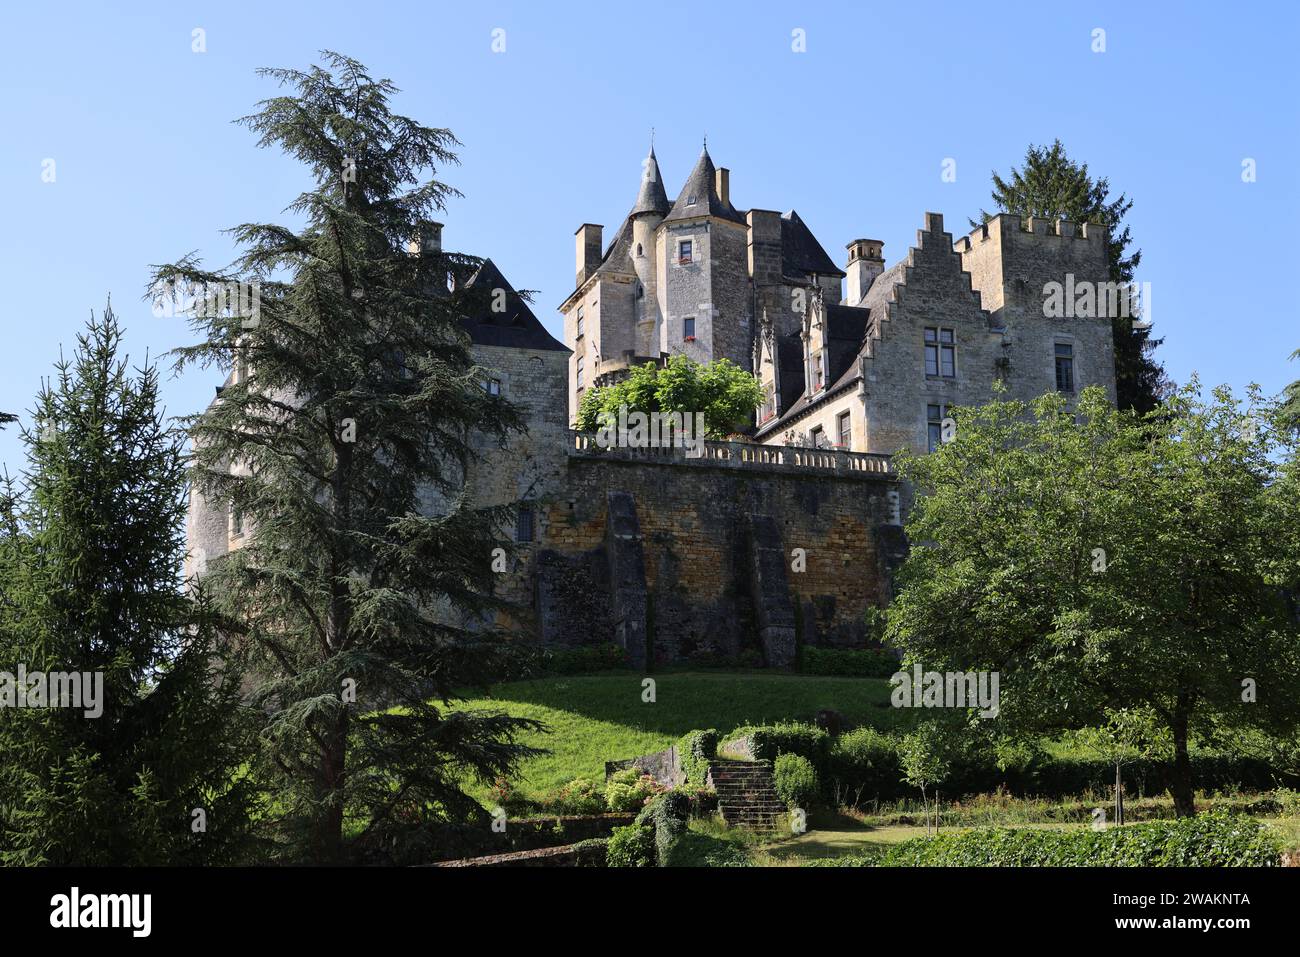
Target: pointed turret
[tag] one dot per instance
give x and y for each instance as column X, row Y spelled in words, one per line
column 651, row 198
column 701, row 194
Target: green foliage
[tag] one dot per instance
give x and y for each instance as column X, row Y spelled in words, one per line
column 1095, row 559
column 593, row 852
column 694, row 751
column 721, row 390
column 864, row 761
column 795, row 780
column 849, row 663
column 790, row 737
column 91, row 551
column 629, row 790
column 580, row 661
column 631, row 846
column 668, row 814
column 579, row 796
column 1052, row 186
column 347, row 577
column 1207, row 840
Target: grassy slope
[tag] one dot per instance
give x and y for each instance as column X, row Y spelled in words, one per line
column 599, row 718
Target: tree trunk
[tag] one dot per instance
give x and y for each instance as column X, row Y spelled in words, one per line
column 1180, row 785
column 1119, row 796
column 333, row 768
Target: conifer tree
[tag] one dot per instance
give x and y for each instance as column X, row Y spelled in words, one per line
column 1052, row 186
column 364, row 585
column 91, row 547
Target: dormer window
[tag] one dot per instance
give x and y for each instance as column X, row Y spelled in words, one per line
column 691, row 200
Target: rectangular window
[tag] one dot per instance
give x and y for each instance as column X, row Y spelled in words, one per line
column 580, row 323
column 524, row 527
column 493, row 386
column 688, row 327
column 940, row 352
column 684, row 251
column 817, row 437
column 769, row 401
column 236, row 521
column 1064, row 367
column 934, row 416
column 819, row 376
column 578, row 375
column 845, row 423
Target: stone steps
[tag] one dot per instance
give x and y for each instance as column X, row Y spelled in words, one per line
column 746, row 794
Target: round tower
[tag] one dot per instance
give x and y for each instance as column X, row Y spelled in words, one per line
column 651, row 207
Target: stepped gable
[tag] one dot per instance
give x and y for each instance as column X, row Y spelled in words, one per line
column 515, row 326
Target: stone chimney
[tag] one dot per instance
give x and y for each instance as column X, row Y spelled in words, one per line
column 866, row 262
column 588, row 250
column 427, row 240
column 722, row 185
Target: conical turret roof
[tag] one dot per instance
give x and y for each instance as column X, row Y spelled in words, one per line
column 651, row 198
column 699, row 197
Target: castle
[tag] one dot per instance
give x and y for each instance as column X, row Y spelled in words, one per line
column 863, row 358
column 675, row 558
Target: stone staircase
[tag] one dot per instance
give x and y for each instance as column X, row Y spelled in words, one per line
column 746, row 795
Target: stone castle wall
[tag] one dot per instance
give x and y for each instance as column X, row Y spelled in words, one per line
column 672, row 557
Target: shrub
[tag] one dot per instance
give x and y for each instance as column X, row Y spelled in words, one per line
column 1208, row 840
column 694, row 751
column 843, row 662
column 793, row 737
column 579, row 796
column 629, row 789
column 631, row 846
column 865, row 761
column 795, row 779
column 578, row 661
column 667, row 814
column 593, row 852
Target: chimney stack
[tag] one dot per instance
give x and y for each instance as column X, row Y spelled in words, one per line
column 866, row 262
column 722, row 184
column 427, row 240
column 588, row 250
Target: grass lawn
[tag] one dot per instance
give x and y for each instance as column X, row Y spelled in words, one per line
column 598, row 718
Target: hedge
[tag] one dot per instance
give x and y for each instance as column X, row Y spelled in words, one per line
column 866, row 760
column 807, row 740
column 667, row 814
column 578, row 661
column 1208, row 840
column 592, row 853
column 848, row 663
column 694, row 751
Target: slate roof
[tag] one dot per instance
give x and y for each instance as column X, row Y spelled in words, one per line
column 847, row 329
column 700, row 185
column 651, row 198
column 801, row 254
column 515, row 326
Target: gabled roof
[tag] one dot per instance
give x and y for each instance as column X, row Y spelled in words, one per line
column 801, row 254
column 700, row 188
column 514, row 326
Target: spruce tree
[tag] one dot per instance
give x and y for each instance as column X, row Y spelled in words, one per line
column 364, row 586
column 1052, row 186
column 91, row 547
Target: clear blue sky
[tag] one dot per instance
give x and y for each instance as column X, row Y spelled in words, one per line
column 852, row 133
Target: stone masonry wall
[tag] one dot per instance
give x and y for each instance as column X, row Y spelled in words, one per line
column 697, row 524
